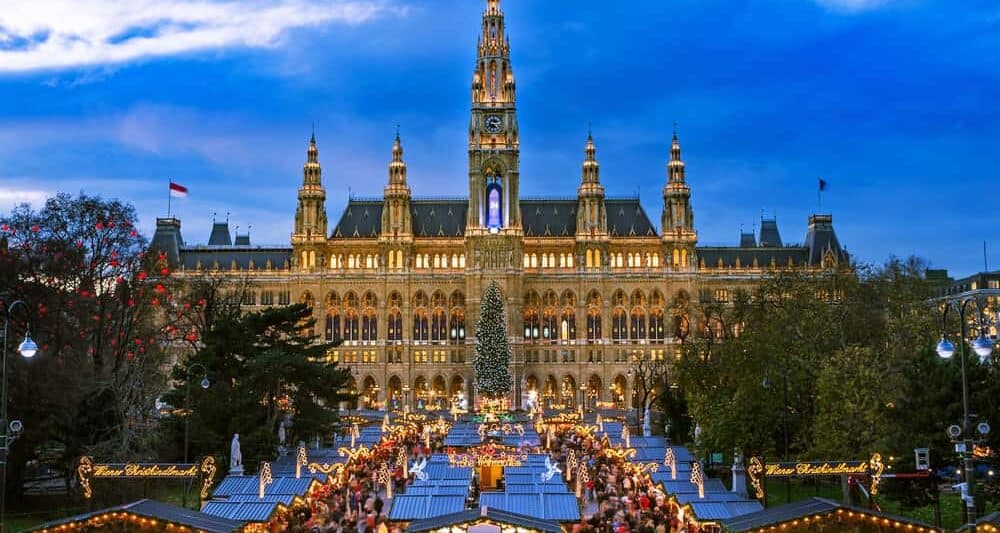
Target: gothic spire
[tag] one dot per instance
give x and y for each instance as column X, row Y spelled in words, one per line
column 311, row 170
column 397, row 167
column 675, row 168
column 591, row 169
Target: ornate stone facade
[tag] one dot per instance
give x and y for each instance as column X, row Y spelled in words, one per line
column 589, row 282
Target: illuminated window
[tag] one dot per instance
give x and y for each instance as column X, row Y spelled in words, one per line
column 333, row 356
column 420, row 356
column 284, row 297
column 267, row 298
column 494, row 204
column 369, row 356
column 721, row 295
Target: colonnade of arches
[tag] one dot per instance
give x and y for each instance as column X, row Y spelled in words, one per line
column 441, row 392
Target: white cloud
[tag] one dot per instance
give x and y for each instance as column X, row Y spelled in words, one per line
column 852, row 6
column 12, row 197
column 58, row 34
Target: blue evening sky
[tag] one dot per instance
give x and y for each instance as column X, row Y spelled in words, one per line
column 895, row 103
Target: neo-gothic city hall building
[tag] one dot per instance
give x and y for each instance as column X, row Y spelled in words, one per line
column 590, row 283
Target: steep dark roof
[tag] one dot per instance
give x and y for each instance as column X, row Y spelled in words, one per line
column 549, row 217
column 748, row 240
column 220, row 235
column 158, row 511
column 540, row 217
column 820, row 238
column 627, row 218
column 223, row 257
column 769, row 235
column 167, row 239
column 710, row 256
column 242, row 240
column 439, row 218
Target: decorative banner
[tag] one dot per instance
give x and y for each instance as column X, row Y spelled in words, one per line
column 87, row 470
column 488, row 455
column 207, row 470
column 361, row 452
column 670, row 460
column 755, row 471
column 264, row 478
column 816, row 468
column 758, row 470
column 301, row 459
column 876, row 468
column 698, row 478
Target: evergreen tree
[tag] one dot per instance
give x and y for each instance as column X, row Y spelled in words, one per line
column 492, row 361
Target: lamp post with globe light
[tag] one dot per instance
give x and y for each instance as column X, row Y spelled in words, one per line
column 983, row 347
column 10, row 429
column 187, row 416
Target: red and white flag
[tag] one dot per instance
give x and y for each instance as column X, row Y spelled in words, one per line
column 178, row 191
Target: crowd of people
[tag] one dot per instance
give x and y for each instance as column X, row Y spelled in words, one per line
column 616, row 498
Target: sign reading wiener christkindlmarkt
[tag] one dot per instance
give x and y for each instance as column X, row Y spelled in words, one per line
column 88, row 470
column 816, row 468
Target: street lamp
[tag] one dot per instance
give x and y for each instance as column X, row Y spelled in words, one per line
column 205, row 384
column 983, row 348
column 406, row 398
column 27, row 349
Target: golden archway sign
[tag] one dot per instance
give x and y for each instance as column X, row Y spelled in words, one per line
column 87, row 471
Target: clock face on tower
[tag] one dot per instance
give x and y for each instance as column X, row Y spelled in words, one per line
column 494, row 124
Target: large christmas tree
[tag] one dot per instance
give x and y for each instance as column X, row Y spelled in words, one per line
column 493, row 378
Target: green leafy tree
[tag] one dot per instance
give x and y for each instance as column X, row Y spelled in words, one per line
column 262, row 366
column 856, row 390
column 492, row 359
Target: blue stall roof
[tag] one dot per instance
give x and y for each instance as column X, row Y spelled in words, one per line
column 406, row 507
column 444, row 490
column 242, row 511
column 155, row 510
column 231, row 485
column 555, row 507
column 535, row 488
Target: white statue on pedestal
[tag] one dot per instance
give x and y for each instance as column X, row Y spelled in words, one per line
column 235, row 456
column 647, row 424
column 281, row 434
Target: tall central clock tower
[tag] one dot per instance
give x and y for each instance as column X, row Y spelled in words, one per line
column 494, row 149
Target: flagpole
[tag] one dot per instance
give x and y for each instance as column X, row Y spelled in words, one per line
column 819, row 195
column 168, row 198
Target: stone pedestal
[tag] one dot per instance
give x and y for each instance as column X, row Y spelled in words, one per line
column 740, row 480
column 236, row 471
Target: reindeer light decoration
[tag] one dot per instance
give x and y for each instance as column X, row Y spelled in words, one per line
column 551, row 469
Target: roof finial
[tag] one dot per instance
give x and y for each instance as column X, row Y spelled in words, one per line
column 213, row 217
column 227, row 218
column 397, row 131
column 312, row 138
column 675, row 130
column 590, row 130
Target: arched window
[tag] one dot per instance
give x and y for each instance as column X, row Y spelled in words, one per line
column 369, row 326
column 351, row 330
column 619, row 325
column 532, row 326
column 456, row 333
column 594, row 325
column 439, row 326
column 590, row 258
column 637, row 329
column 567, row 325
column 420, row 329
column 656, row 331
column 332, row 331
column 395, row 323
column 494, row 202
column 550, row 326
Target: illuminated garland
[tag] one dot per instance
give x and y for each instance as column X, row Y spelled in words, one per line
column 698, row 478
column 842, row 515
column 670, row 460
column 301, row 459
column 207, row 470
column 876, row 467
column 264, row 479
column 353, row 455
column 754, row 471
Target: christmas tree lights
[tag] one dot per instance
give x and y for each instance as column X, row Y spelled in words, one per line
column 492, row 361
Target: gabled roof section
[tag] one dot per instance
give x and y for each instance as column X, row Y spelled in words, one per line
column 548, row 217
column 439, row 218
column 361, row 219
column 821, row 240
column 769, row 235
column 627, row 218
column 220, row 235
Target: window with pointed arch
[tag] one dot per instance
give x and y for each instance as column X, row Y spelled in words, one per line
column 369, row 326
column 619, row 325
column 332, row 333
column 395, row 326
column 420, row 326
column 550, row 326
column 439, row 326
column 494, row 201
column 637, row 328
column 351, row 329
column 567, row 326
column 656, row 331
column 456, row 333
